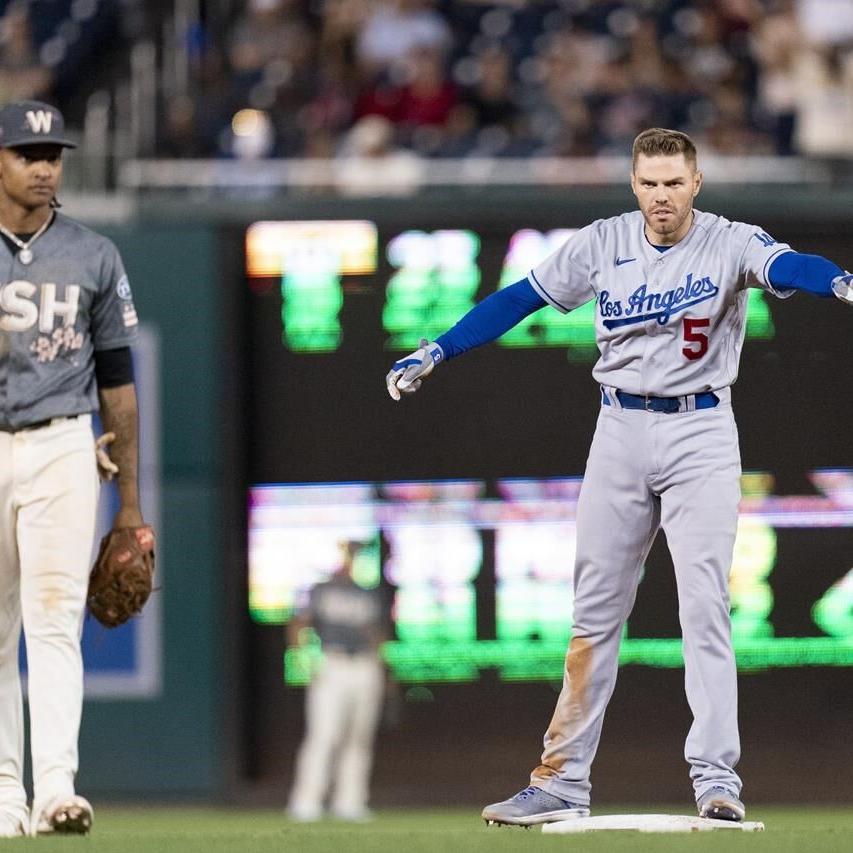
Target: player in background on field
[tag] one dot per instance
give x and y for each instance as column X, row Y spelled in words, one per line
column 670, row 286
column 344, row 699
column 67, row 320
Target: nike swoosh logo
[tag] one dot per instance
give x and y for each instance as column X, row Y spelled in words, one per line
column 620, row 261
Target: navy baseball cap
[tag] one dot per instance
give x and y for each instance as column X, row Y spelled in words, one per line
column 32, row 123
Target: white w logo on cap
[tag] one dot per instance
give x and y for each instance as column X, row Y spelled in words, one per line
column 39, row 121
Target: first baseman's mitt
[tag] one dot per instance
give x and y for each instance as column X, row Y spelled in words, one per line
column 122, row 576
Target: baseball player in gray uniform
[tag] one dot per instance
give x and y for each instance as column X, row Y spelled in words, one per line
column 670, row 289
column 66, row 324
column 343, row 701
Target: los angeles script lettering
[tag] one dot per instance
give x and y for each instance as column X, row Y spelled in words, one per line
column 662, row 305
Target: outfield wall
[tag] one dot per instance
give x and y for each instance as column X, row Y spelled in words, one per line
column 223, row 724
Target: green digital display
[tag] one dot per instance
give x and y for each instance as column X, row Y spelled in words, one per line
column 435, row 278
column 479, row 569
column 311, row 258
column 295, row 533
column 435, row 283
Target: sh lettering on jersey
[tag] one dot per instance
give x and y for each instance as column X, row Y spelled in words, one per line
column 641, row 306
column 25, row 305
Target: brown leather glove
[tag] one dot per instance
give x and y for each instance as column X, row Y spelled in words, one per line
column 123, row 575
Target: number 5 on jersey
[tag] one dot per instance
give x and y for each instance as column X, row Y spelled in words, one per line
column 700, row 339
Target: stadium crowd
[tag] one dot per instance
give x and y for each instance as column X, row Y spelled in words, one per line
column 456, row 78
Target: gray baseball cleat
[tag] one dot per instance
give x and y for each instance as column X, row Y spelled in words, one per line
column 532, row 806
column 720, row 804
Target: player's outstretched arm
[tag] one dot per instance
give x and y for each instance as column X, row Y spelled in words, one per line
column 811, row 273
column 486, row 321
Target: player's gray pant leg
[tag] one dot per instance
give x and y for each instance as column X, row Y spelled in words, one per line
column 617, row 520
column 699, row 511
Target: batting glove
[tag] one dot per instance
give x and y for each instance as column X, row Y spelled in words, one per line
column 842, row 287
column 407, row 374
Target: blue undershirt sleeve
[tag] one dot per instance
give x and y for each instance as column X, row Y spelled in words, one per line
column 812, row 273
column 489, row 319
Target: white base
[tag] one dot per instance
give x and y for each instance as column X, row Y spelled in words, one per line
column 648, row 823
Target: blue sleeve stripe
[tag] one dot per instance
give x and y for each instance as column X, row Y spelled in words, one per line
column 812, row 273
column 547, row 296
column 489, row 319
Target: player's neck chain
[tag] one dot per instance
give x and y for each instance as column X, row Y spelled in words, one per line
column 25, row 256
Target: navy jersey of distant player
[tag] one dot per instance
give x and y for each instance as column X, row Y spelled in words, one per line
column 347, row 617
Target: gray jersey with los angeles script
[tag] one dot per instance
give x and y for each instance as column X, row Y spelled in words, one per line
column 667, row 323
column 72, row 299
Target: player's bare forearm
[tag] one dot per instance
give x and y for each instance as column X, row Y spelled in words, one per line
column 119, row 414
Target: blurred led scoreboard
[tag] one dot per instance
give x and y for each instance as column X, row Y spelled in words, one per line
column 435, row 278
column 478, row 569
column 432, row 536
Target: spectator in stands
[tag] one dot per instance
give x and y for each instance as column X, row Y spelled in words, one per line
column 824, row 77
column 397, row 28
column 372, row 164
column 704, row 55
column 775, row 44
column 328, row 112
column 182, row 133
column 341, row 21
column 22, row 76
column 216, row 98
column 562, row 76
column 493, row 102
column 648, row 69
column 823, row 73
column 826, row 22
column 622, row 109
column 421, row 106
column 266, row 40
column 729, row 129
column 589, row 74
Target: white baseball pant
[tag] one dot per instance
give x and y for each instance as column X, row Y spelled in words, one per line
column 342, row 706
column 48, row 500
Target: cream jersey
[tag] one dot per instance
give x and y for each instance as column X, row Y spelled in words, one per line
column 667, row 323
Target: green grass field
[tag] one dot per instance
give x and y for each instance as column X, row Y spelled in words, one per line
column 202, row 830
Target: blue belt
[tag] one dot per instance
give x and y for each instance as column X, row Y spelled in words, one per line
column 667, row 405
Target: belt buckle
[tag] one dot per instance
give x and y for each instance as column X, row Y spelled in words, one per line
column 647, row 403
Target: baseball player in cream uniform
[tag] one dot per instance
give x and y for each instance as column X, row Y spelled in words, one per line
column 66, row 322
column 670, row 285
column 343, row 701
